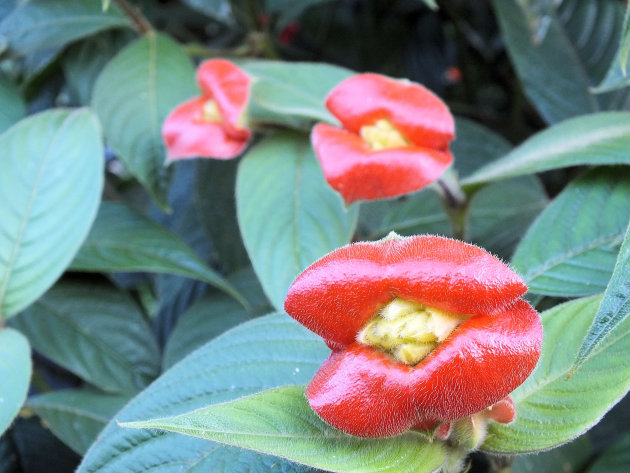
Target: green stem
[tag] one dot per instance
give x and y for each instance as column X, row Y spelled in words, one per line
column 456, row 203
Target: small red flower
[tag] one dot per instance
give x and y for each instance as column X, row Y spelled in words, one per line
column 212, row 125
column 394, row 140
column 423, row 330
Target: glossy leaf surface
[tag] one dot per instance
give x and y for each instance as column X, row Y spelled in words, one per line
column 15, row 373
column 122, row 240
column 571, row 248
column 294, row 89
column 94, row 331
column 152, row 76
column 288, row 215
column 280, row 422
column 76, row 416
column 553, row 408
column 615, row 306
column 596, row 139
column 51, row 177
column 266, row 352
column 558, row 71
column 43, row 24
column 500, row 213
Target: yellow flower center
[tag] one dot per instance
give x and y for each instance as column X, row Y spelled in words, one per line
column 408, row 330
column 211, row 112
column 383, row 135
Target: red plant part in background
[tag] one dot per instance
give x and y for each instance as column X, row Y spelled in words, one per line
column 394, row 140
column 423, row 330
column 213, row 125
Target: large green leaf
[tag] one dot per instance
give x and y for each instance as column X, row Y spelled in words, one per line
column 293, row 89
column 76, row 416
column 215, row 202
column 95, row 331
column 84, row 61
column 132, row 97
column 617, row 75
column 571, row 248
column 553, row 408
column 596, row 139
column 51, row 177
column 266, row 352
column 558, row 72
column 289, row 217
column 499, row 214
column 12, row 106
column 206, row 319
column 422, row 212
column 616, row 458
column 475, row 145
column 43, row 24
column 281, row 422
column 122, row 240
column 615, row 305
column 15, row 373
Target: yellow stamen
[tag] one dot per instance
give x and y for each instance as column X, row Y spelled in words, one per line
column 383, row 135
column 211, row 112
column 408, row 330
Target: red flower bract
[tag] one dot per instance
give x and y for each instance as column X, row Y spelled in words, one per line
column 211, row 125
column 394, row 139
column 388, row 372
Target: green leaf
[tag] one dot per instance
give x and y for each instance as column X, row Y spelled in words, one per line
column 558, row 72
column 43, row 24
column 569, row 458
column 475, row 145
column 122, row 240
column 596, row 139
column 288, row 215
column 84, row 61
column 617, row 75
column 422, row 212
column 15, row 366
column 206, row 319
column 615, row 306
column 615, row 458
column 281, row 422
column 51, row 177
column 266, row 352
column 500, row 213
column 215, row 202
column 571, row 248
column 76, row 416
column 553, row 408
column 293, row 89
column 12, row 106
column 152, row 75
column 95, row 331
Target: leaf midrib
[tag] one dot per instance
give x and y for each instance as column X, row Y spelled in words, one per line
column 13, row 255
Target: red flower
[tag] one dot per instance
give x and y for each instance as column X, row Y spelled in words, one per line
column 212, row 125
column 394, row 139
column 423, row 330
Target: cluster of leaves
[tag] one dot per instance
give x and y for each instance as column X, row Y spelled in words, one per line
column 140, row 289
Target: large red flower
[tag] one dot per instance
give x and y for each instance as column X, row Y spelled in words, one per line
column 423, row 330
column 394, row 140
column 212, row 125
